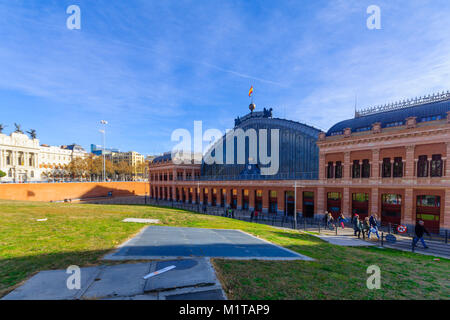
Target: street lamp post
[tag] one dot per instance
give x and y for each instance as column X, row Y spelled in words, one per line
column 295, row 205
column 104, row 123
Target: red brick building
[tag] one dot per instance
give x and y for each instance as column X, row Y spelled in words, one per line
column 391, row 160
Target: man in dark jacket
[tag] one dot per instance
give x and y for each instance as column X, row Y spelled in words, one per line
column 420, row 230
column 357, row 225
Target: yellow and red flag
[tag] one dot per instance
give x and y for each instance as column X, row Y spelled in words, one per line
column 250, row 92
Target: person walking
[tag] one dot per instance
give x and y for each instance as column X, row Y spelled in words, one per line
column 419, row 231
column 329, row 220
column 357, row 225
column 373, row 226
column 342, row 219
column 366, row 227
column 252, row 214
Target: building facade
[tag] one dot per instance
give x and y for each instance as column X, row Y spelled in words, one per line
column 391, row 161
column 134, row 159
column 19, row 157
column 23, row 159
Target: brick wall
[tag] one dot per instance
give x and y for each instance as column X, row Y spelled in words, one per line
column 61, row 191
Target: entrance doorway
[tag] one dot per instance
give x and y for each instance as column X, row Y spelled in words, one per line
column 334, row 203
column 308, row 204
column 273, row 207
column 245, row 200
column 428, row 209
column 360, row 205
column 289, row 209
column 258, row 200
column 233, row 199
column 391, row 208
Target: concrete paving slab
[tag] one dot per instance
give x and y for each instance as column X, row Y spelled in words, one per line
column 126, row 282
column 200, row 295
column 150, row 296
column 198, row 272
column 138, row 220
column 161, row 242
column 163, row 295
column 347, row 241
column 119, row 281
column 52, row 285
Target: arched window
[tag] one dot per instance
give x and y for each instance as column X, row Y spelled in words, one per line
column 330, row 170
column 386, row 168
column 398, row 167
column 338, row 170
column 436, row 166
column 422, row 166
column 365, row 169
column 356, row 169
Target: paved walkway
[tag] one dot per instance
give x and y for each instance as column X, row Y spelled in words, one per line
column 160, row 242
column 344, row 240
column 191, row 279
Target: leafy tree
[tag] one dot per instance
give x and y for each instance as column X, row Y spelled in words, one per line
column 123, row 170
column 2, row 174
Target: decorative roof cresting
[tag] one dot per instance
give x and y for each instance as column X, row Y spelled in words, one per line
column 404, row 104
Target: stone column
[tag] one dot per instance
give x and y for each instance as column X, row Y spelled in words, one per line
column 299, row 200
column 445, row 215
column 265, row 200
column 409, row 166
column 447, row 165
column 251, row 199
column 346, row 203
column 374, row 203
column 375, row 164
column 239, row 199
column 281, row 199
column 346, row 173
column 322, row 173
column 219, row 197
column 209, row 196
column 321, row 205
column 229, row 196
column 173, row 192
column 186, row 192
column 408, row 215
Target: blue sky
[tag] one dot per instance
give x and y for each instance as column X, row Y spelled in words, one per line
column 150, row 67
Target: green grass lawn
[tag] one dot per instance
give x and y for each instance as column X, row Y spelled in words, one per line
column 82, row 233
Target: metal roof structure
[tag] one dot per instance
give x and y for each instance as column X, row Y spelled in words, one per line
column 429, row 108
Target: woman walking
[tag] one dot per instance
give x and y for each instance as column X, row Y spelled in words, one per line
column 342, row 219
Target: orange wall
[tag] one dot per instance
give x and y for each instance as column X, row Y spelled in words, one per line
column 61, row 191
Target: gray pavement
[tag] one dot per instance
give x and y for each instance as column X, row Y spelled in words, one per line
column 347, row 241
column 191, row 279
column 161, row 242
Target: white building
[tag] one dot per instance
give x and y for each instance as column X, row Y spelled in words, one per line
column 19, row 157
column 24, row 159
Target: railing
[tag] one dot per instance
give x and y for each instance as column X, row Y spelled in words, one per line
column 318, row 225
column 313, row 175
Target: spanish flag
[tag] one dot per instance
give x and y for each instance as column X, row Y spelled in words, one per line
column 250, row 92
